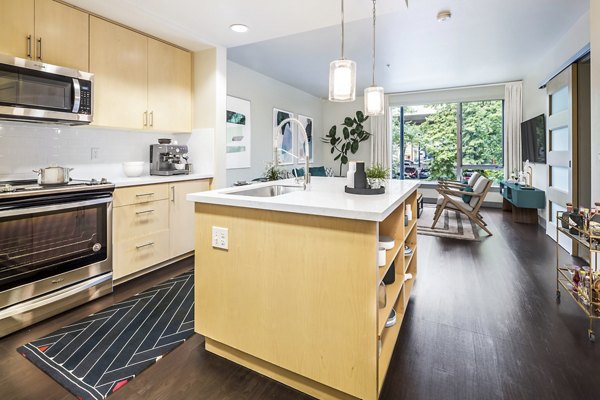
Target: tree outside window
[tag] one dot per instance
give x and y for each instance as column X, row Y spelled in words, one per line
column 433, row 135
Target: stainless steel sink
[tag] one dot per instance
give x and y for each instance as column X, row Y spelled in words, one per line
column 268, row 191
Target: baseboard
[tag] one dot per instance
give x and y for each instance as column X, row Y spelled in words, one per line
column 152, row 268
column 542, row 221
column 289, row 378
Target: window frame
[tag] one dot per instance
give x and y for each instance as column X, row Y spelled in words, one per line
column 460, row 167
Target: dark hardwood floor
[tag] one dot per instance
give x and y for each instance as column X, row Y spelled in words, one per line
column 483, row 323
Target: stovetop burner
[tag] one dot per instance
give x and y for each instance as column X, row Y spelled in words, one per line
column 30, row 186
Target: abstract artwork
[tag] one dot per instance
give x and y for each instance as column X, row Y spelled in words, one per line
column 239, row 133
column 285, row 137
column 307, row 123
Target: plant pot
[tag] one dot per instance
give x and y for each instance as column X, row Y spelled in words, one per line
column 375, row 183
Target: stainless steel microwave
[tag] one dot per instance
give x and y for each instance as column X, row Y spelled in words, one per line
column 36, row 92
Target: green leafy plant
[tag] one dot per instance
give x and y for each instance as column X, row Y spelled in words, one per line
column 377, row 172
column 353, row 133
column 272, row 172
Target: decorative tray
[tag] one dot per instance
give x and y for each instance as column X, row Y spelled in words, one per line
column 367, row 191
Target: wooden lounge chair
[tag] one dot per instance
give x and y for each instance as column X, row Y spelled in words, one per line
column 450, row 197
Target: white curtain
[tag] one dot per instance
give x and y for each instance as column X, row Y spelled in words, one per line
column 381, row 147
column 513, row 116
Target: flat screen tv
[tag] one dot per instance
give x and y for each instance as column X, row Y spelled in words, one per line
column 533, row 139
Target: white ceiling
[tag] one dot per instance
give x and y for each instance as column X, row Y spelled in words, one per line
column 194, row 23
column 486, row 41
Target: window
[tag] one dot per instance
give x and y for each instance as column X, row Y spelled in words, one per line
column 448, row 140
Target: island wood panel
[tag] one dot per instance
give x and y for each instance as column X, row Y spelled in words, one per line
column 16, row 25
column 297, row 291
column 169, row 87
column 119, row 60
column 64, row 32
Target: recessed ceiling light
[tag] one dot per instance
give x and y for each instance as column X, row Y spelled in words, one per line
column 239, row 28
column 444, row 16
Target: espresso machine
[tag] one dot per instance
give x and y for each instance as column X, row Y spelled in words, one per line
column 169, row 159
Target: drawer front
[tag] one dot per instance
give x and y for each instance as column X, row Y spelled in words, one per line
column 138, row 220
column 131, row 256
column 140, row 194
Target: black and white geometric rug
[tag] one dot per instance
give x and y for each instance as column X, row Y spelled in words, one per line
column 99, row 354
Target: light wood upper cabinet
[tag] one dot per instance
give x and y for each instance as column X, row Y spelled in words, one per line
column 119, row 60
column 169, row 83
column 182, row 220
column 61, row 35
column 16, row 27
column 139, row 83
column 46, row 31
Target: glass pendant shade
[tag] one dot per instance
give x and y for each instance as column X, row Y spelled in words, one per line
column 342, row 81
column 374, row 101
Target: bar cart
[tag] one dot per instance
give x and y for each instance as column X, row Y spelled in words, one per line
column 581, row 283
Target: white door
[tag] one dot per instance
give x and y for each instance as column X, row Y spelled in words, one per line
column 561, row 137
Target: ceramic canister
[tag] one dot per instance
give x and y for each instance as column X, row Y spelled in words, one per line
column 360, row 176
column 350, row 174
column 381, row 259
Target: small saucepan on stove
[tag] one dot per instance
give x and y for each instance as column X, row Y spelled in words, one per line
column 53, row 175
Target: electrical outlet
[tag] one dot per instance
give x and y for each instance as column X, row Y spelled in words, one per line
column 94, row 153
column 220, row 238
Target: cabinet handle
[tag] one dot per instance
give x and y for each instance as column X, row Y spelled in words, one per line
column 151, row 118
column 144, row 194
column 145, row 118
column 173, row 194
column 141, row 246
column 144, row 212
column 39, row 51
column 29, row 46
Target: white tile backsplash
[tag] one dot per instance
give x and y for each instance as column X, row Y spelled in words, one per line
column 26, row 146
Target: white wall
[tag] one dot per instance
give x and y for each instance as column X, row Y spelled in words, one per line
column 595, row 41
column 210, row 94
column 264, row 94
column 534, row 99
column 334, row 114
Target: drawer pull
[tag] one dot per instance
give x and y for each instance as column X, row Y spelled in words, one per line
column 144, row 194
column 144, row 212
column 141, row 246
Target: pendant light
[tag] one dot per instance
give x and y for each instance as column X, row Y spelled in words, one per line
column 374, row 100
column 342, row 75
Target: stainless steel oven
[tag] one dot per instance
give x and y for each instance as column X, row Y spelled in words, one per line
column 37, row 92
column 55, row 250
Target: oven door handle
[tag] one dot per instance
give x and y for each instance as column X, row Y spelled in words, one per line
column 54, row 207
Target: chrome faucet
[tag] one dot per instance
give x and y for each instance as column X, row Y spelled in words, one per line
column 276, row 148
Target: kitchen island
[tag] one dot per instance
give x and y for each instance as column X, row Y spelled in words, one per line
column 294, row 294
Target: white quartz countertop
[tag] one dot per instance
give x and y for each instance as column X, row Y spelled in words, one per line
column 325, row 197
column 153, row 179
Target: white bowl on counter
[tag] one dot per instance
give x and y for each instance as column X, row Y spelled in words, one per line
column 133, row 169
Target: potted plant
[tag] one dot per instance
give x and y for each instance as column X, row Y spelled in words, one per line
column 352, row 134
column 272, row 172
column 376, row 175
